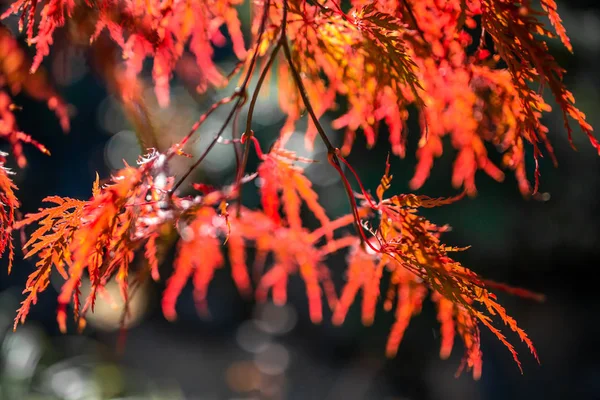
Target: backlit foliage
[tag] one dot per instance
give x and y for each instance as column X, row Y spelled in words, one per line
column 14, row 78
column 8, row 206
column 471, row 70
column 408, row 246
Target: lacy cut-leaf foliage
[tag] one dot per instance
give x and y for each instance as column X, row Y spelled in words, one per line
column 127, row 214
column 370, row 62
column 379, row 56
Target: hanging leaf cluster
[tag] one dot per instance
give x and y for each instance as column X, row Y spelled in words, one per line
column 469, row 69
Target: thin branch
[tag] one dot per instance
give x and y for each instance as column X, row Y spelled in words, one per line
column 241, row 95
column 234, row 137
column 205, row 116
column 333, row 154
column 248, row 134
column 303, row 93
column 259, row 84
column 210, row 146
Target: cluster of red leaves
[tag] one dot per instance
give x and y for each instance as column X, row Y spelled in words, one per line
column 159, row 29
column 408, row 246
column 380, row 57
column 464, row 96
column 14, row 78
column 383, row 56
column 277, row 173
column 102, row 235
column 362, row 57
column 8, row 205
column 293, row 250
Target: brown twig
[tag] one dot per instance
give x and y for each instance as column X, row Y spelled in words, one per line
column 249, row 133
column 333, row 154
column 240, row 94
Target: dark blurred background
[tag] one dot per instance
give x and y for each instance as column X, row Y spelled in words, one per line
column 248, row 351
